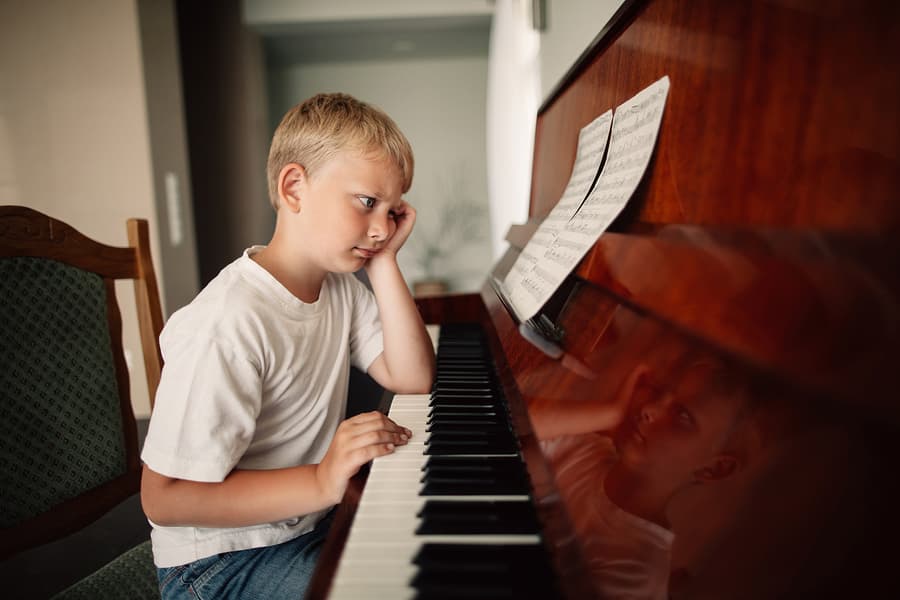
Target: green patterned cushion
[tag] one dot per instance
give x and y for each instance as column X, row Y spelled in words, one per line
column 60, row 421
column 131, row 576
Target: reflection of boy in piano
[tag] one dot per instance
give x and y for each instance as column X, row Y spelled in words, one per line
column 247, row 448
column 618, row 485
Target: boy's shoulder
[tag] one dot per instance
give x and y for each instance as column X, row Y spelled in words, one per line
column 230, row 299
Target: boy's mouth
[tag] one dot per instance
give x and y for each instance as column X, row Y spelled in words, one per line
column 630, row 431
column 367, row 252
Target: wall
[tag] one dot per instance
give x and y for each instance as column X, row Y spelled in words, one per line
column 571, row 27
column 439, row 103
column 74, row 138
column 168, row 150
column 260, row 12
column 227, row 128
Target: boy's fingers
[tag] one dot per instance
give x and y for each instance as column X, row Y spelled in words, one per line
column 379, row 435
column 377, row 420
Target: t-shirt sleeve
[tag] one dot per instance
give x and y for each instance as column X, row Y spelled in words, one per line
column 205, row 412
column 366, row 342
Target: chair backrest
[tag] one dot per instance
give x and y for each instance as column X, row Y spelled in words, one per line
column 68, row 437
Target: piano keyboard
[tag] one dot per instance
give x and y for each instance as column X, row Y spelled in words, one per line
column 449, row 514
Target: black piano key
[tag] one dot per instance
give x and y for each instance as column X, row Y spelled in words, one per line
column 476, row 447
column 446, row 432
column 467, row 419
column 471, row 487
column 484, row 571
column 485, row 445
column 488, row 463
column 441, row 431
column 475, row 472
column 443, row 391
column 483, row 557
column 449, row 399
column 464, row 401
column 463, row 370
column 490, row 407
column 462, row 429
column 506, row 470
column 518, row 566
column 485, row 441
column 467, row 375
column 477, row 517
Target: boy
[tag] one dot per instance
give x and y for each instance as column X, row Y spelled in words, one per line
column 246, row 451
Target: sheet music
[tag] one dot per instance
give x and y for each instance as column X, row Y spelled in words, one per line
column 591, row 145
column 558, row 245
column 526, row 276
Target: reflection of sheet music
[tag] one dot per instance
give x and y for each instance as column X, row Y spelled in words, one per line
column 568, row 232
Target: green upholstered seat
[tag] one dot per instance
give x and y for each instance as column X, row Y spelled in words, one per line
column 68, row 436
column 60, row 422
column 131, row 576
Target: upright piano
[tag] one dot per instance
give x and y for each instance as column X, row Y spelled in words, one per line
column 720, row 418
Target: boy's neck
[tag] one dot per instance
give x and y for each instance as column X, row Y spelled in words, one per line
column 638, row 495
column 304, row 285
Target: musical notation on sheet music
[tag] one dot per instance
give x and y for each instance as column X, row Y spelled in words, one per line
column 592, row 143
column 572, row 227
column 592, row 140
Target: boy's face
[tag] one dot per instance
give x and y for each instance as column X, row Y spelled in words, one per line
column 672, row 431
column 348, row 209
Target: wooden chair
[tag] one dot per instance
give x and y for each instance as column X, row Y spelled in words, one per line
column 68, row 436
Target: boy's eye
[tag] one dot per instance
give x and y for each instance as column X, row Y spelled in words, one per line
column 684, row 416
column 367, row 201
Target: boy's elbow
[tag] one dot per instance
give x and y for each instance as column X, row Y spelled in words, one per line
column 426, row 381
column 419, row 382
column 153, row 496
column 421, row 387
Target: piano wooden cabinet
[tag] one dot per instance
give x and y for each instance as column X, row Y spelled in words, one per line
column 730, row 369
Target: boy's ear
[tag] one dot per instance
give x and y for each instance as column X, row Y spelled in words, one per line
column 625, row 393
column 291, row 180
column 719, row 467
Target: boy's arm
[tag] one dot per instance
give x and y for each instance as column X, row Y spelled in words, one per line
column 264, row 496
column 406, row 366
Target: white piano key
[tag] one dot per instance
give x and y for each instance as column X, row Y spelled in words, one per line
column 377, row 560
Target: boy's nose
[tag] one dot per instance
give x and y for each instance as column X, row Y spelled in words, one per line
column 652, row 409
column 379, row 228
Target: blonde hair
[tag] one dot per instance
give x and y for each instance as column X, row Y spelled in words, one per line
column 314, row 131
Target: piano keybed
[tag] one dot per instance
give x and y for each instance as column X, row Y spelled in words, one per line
column 449, row 514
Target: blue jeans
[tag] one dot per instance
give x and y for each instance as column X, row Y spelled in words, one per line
column 267, row 573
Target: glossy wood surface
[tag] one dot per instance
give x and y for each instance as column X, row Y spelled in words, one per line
column 815, row 310
column 780, row 113
column 760, row 241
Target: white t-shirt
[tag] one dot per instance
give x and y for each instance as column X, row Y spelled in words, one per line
column 254, row 378
column 628, row 557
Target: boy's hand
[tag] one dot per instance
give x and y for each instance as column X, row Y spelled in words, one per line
column 405, row 217
column 358, row 440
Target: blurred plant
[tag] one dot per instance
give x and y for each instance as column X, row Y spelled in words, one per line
column 458, row 220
